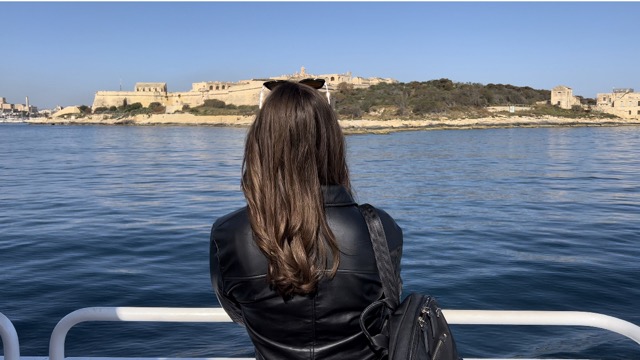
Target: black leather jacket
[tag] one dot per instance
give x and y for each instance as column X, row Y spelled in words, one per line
column 324, row 325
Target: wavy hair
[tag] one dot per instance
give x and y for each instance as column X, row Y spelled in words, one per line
column 294, row 146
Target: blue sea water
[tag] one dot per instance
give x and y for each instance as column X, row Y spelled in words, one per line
column 535, row 219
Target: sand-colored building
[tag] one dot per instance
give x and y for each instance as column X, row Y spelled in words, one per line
column 6, row 107
column 243, row 92
column 562, row 96
column 624, row 103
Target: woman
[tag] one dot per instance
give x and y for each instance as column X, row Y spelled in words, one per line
column 296, row 265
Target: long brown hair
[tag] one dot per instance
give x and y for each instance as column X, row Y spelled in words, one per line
column 294, row 146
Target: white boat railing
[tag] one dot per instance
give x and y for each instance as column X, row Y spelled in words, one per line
column 9, row 337
column 148, row 314
column 555, row 318
column 461, row 317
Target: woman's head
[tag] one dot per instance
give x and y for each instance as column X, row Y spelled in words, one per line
column 297, row 132
column 294, row 146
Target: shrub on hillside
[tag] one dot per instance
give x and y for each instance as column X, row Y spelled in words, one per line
column 156, row 108
column 214, row 103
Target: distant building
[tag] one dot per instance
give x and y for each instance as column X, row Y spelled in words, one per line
column 151, row 87
column 6, row 107
column 624, row 103
column 562, row 96
column 243, row 92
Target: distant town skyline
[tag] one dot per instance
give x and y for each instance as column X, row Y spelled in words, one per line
column 62, row 53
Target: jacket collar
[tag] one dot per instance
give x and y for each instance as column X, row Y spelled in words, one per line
column 337, row 195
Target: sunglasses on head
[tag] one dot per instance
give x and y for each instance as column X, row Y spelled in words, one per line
column 311, row 82
column 314, row 83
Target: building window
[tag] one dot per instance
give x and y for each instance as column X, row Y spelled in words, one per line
column 222, row 87
column 217, row 87
column 629, row 112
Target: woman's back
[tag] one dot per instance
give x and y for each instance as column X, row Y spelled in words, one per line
column 322, row 325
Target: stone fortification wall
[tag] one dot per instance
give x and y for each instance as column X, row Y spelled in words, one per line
column 177, row 100
column 244, row 92
column 247, row 94
column 119, row 98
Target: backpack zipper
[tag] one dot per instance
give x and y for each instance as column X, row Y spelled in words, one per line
column 424, row 313
column 439, row 347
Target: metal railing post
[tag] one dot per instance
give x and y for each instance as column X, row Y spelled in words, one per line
column 9, row 337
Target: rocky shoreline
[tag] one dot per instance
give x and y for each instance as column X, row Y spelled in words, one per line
column 349, row 126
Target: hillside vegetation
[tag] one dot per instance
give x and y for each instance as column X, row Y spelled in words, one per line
column 443, row 98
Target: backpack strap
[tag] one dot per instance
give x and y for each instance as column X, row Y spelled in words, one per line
column 386, row 270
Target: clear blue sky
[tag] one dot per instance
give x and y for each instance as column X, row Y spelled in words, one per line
column 62, row 53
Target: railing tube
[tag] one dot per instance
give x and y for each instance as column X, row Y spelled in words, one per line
column 466, row 317
column 9, row 337
column 155, row 314
column 561, row 318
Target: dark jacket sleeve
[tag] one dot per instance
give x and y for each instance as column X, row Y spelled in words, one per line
column 227, row 302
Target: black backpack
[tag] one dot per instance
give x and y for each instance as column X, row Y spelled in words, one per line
column 412, row 330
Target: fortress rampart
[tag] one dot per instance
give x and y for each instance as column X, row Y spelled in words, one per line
column 244, row 92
